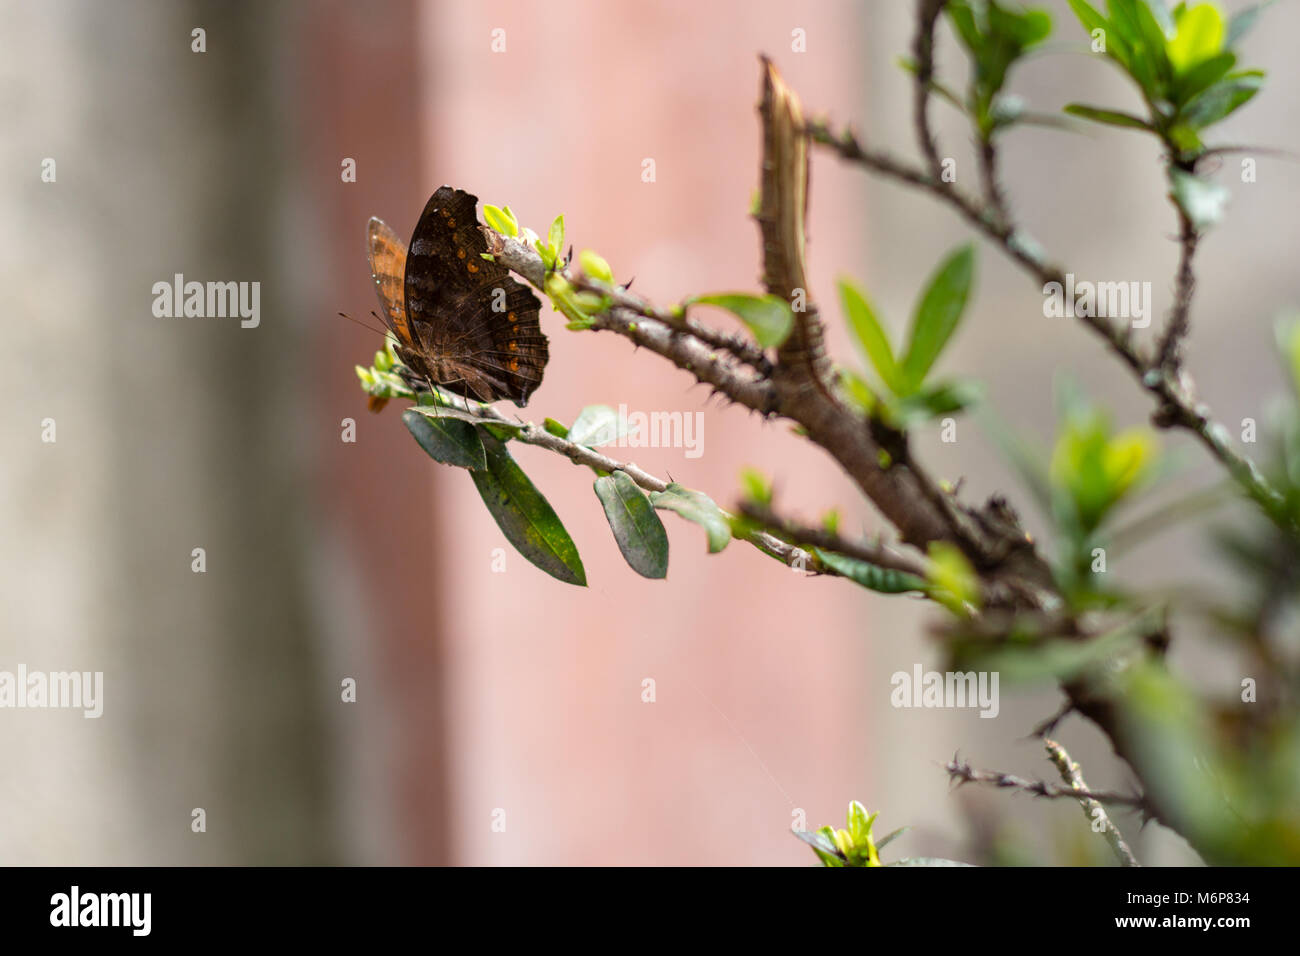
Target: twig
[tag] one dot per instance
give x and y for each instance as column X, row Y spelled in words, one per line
column 993, row 194
column 636, row 319
column 923, row 53
column 621, row 298
column 810, row 537
column 962, row 773
column 1162, row 377
column 1012, row 241
column 1049, row 725
column 529, row 433
column 1176, row 406
column 1092, row 808
column 1169, row 349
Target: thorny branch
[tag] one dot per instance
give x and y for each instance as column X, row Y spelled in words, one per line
column 961, row 772
column 1161, row 375
column 1168, row 351
column 800, row 388
column 927, row 16
column 800, row 385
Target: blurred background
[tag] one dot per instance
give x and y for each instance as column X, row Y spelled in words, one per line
column 482, row 696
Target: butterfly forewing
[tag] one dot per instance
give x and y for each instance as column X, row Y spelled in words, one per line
column 387, row 254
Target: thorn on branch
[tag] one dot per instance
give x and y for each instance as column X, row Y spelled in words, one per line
column 960, row 772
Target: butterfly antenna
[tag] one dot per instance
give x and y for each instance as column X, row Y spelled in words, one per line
column 363, row 324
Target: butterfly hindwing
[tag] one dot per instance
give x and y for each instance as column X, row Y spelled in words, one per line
column 474, row 327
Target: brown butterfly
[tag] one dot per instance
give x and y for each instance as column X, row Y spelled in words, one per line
column 461, row 322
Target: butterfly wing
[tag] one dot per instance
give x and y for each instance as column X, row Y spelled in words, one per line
column 476, row 325
column 387, row 254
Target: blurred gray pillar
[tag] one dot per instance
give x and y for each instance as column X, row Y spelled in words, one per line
column 172, row 434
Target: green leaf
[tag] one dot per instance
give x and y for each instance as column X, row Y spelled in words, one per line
column 1203, row 201
column 1127, row 457
column 1116, row 47
column 565, row 300
column 1222, row 99
column 1155, row 39
column 597, row 425
column 953, row 582
column 556, row 236
column 933, row 401
column 1109, row 117
column 1142, row 63
column 697, row 507
column 637, row 529
column 1202, row 75
column 938, row 313
column 1092, row 469
column 768, row 316
column 871, row 336
column 871, row 576
column 1199, row 36
column 963, row 22
column 525, row 517
column 758, row 487
column 855, row 388
column 890, row 837
column 1029, row 28
column 548, row 254
column 823, row 845
column 1288, row 343
column 502, row 220
column 595, row 267
column 446, row 440
column 859, row 825
column 1184, row 139
column 1090, row 17
column 996, row 36
column 558, row 429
